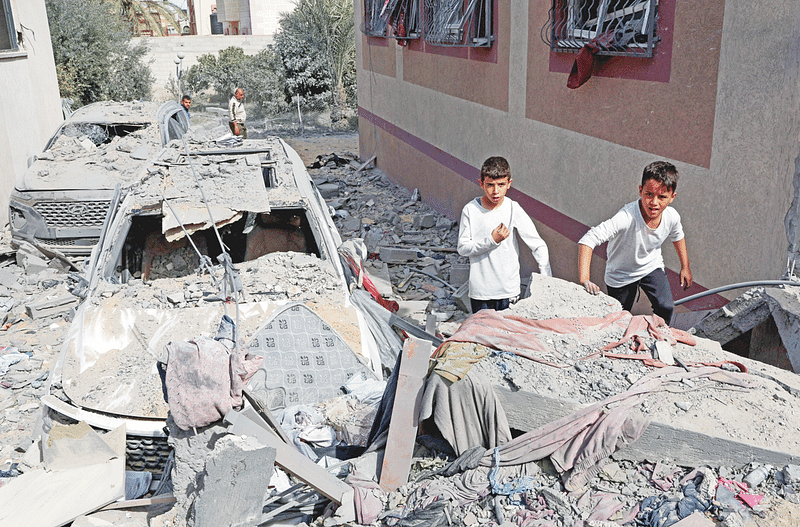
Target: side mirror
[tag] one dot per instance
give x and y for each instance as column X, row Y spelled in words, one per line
column 31, row 160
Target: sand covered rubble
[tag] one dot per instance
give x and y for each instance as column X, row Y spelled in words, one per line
column 369, row 206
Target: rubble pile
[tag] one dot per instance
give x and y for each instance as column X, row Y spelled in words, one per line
column 303, row 277
column 402, row 234
column 590, row 417
column 29, row 346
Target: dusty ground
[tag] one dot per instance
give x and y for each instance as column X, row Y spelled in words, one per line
column 310, row 146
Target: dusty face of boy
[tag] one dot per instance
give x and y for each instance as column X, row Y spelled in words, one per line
column 655, row 197
column 495, row 189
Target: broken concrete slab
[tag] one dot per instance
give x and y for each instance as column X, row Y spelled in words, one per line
column 784, row 305
column 405, row 413
column 232, row 488
column 249, row 423
column 68, row 493
column 737, row 317
column 713, row 433
column 141, row 152
column 380, row 279
column 328, row 190
column 72, row 446
column 395, row 255
column 459, row 274
column 52, row 307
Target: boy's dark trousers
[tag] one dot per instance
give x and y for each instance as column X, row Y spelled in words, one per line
column 497, row 305
column 655, row 286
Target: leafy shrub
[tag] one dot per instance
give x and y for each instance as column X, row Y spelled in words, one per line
column 233, row 69
column 94, row 57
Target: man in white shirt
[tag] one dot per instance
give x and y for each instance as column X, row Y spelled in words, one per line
column 237, row 114
column 635, row 235
column 485, row 234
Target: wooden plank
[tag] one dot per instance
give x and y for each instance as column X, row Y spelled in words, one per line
column 405, row 416
column 249, row 423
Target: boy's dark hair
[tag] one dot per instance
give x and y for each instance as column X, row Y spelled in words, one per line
column 495, row 168
column 661, row 172
column 186, row 98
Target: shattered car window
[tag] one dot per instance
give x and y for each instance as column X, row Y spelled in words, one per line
column 98, row 134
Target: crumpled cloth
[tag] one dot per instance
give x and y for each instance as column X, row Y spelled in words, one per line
column 452, row 360
column 583, row 66
column 660, row 511
column 204, row 380
column 367, row 497
column 521, row 336
column 466, row 412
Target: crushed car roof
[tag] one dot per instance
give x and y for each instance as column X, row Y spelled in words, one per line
column 108, row 361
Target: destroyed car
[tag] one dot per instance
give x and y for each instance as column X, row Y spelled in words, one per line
column 60, row 203
column 209, row 230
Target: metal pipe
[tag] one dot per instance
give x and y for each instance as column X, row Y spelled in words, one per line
column 739, row 285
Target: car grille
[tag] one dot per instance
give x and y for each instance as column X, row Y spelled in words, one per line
column 146, row 453
column 68, row 242
column 73, row 213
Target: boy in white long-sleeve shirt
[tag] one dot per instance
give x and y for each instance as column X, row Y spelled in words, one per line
column 485, row 236
column 635, row 235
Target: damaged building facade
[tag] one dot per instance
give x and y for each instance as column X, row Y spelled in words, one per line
column 710, row 87
column 26, row 67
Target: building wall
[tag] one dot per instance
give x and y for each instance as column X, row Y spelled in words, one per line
column 30, row 107
column 254, row 17
column 202, row 16
column 163, row 50
column 719, row 100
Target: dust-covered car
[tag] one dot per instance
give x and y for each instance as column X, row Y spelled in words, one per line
column 210, row 230
column 60, row 202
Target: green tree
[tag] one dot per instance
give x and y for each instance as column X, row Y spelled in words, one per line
column 233, row 69
column 149, row 15
column 301, row 72
column 94, row 57
column 327, row 29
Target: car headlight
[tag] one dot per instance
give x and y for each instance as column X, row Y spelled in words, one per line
column 18, row 219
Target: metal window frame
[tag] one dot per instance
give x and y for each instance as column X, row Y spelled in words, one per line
column 627, row 29
column 398, row 19
column 8, row 18
column 459, row 23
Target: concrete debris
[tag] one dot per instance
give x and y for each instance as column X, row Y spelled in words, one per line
column 233, row 476
column 762, row 324
column 713, row 451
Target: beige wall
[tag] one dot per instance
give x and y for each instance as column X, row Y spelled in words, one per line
column 163, row 50
column 730, row 126
column 255, row 17
column 30, row 107
column 202, row 13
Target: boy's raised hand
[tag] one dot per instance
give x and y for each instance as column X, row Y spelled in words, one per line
column 500, row 233
column 591, row 287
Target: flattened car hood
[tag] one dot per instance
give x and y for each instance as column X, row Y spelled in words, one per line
column 79, row 174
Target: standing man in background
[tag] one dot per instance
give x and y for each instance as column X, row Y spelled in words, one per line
column 186, row 102
column 237, row 114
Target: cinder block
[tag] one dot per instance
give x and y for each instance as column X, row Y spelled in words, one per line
column 397, row 255
column 329, row 190
column 231, row 490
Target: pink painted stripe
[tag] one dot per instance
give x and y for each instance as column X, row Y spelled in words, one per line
column 553, row 219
